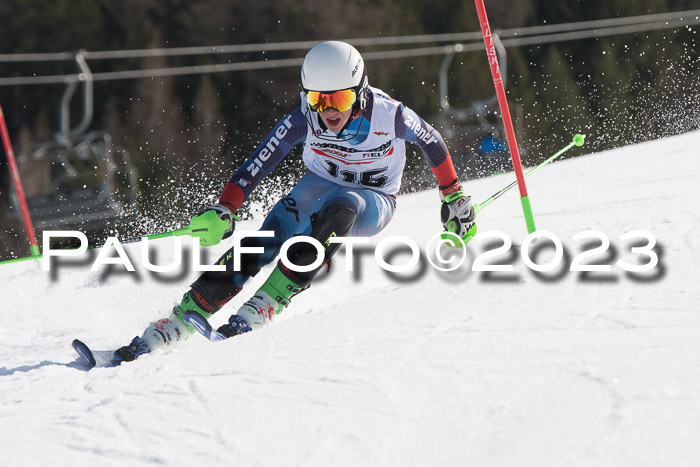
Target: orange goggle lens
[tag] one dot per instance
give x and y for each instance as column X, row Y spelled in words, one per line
column 339, row 100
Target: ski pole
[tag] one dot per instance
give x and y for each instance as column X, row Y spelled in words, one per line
column 171, row 233
column 207, row 226
column 176, row 232
column 578, row 140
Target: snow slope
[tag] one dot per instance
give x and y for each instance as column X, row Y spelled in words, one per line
column 370, row 368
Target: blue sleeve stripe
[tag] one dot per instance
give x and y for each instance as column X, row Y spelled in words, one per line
column 289, row 132
column 410, row 127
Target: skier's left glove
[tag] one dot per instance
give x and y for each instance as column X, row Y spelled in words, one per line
column 457, row 215
column 213, row 224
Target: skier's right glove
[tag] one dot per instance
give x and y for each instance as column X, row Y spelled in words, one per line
column 458, row 216
column 213, row 224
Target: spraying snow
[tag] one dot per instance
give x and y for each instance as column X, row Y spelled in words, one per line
column 373, row 368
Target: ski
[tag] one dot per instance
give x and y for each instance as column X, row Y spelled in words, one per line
column 202, row 326
column 96, row 358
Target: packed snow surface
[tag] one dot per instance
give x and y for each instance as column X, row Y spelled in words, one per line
column 375, row 368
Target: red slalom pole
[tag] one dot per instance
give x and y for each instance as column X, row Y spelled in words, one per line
column 33, row 247
column 505, row 114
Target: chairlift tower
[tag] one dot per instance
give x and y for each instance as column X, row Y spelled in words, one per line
column 72, row 181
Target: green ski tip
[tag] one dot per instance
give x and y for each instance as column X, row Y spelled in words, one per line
column 579, row 139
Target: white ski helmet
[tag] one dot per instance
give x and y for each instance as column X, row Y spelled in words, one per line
column 333, row 66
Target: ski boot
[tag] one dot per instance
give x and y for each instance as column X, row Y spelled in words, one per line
column 172, row 330
column 270, row 299
column 167, row 331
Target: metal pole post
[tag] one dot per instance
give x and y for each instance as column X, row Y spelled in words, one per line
column 505, row 113
column 33, row 247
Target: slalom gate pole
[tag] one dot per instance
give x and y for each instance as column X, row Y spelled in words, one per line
column 505, row 114
column 577, row 141
column 33, row 247
column 205, row 227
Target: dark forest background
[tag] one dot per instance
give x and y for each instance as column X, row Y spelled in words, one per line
column 186, row 134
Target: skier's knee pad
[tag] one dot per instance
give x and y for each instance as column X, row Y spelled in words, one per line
column 335, row 220
column 166, row 332
column 331, row 221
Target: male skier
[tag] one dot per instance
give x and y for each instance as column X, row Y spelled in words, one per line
column 354, row 148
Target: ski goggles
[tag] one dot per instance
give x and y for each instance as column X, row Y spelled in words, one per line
column 339, row 100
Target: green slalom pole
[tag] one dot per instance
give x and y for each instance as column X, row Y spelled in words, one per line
column 207, row 226
column 578, row 140
column 17, row 260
